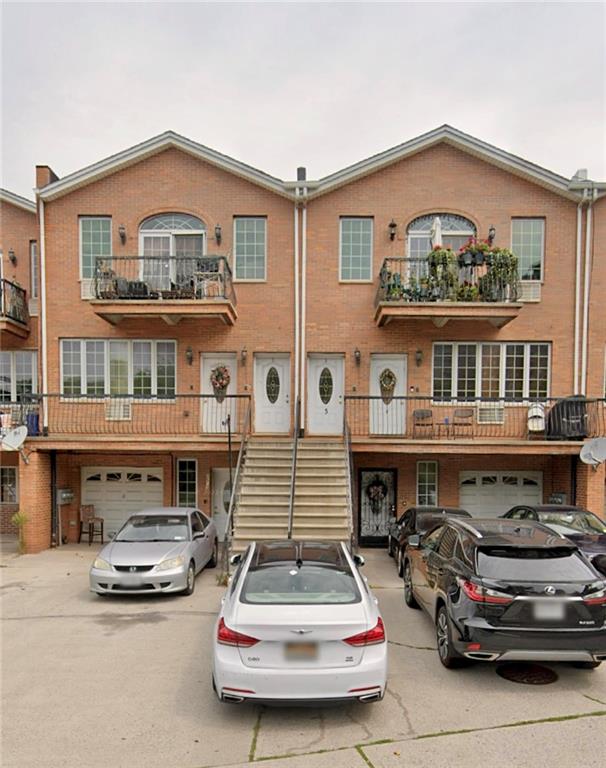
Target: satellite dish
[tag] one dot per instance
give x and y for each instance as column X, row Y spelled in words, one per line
column 13, row 441
column 593, row 451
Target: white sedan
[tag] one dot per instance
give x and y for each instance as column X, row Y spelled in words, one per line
column 298, row 623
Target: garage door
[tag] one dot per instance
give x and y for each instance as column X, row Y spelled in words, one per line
column 490, row 494
column 118, row 492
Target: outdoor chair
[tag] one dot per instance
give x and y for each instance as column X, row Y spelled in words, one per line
column 90, row 523
column 462, row 422
column 422, row 422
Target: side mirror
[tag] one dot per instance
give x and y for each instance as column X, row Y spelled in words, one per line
column 359, row 560
column 414, row 541
column 599, row 563
column 199, row 535
column 235, row 559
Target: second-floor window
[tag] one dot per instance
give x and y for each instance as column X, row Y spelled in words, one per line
column 95, row 243
column 355, row 259
column 250, row 247
column 98, row 367
column 528, row 243
column 470, row 370
column 17, row 375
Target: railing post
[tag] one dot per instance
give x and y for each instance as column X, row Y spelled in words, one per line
column 293, row 468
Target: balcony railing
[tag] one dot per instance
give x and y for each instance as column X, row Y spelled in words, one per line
column 23, row 413
column 156, row 278
column 91, row 416
column 423, row 418
column 13, row 302
column 420, row 280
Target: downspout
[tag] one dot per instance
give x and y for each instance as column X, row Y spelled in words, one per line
column 577, row 293
column 296, row 269
column 303, row 307
column 586, row 292
column 43, row 316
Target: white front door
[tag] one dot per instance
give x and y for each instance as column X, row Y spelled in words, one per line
column 214, row 413
column 221, row 492
column 387, row 381
column 491, row 494
column 119, row 492
column 272, row 393
column 325, row 385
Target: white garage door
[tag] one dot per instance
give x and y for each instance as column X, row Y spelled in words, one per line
column 118, row 492
column 490, row 494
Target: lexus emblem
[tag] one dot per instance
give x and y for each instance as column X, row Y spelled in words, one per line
column 550, row 590
column 301, row 631
column 133, row 569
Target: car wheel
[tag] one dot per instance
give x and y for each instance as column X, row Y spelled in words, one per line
column 409, row 597
column 389, row 547
column 400, row 562
column 448, row 656
column 214, row 558
column 587, row 664
column 191, row 580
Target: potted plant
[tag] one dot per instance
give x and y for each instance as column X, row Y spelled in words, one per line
column 19, row 519
column 219, row 380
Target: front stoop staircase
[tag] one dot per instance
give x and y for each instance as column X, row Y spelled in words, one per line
column 321, row 511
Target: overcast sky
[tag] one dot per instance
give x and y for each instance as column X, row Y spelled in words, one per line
column 278, row 85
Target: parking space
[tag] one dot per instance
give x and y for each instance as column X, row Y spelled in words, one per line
column 91, row 681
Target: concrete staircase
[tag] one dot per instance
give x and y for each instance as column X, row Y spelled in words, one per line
column 321, row 508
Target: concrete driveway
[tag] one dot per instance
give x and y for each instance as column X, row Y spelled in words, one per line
column 89, row 682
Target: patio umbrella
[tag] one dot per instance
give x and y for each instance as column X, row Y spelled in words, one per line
column 436, row 232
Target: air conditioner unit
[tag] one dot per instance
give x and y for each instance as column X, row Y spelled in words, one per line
column 530, row 291
column 118, row 410
column 490, row 413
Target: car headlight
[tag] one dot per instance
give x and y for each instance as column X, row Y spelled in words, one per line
column 174, row 562
column 101, row 564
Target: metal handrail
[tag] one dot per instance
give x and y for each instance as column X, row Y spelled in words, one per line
column 350, row 482
column 235, row 488
column 13, row 302
column 293, row 468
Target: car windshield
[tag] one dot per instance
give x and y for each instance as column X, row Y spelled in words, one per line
column 528, row 564
column 573, row 522
column 287, row 584
column 154, row 528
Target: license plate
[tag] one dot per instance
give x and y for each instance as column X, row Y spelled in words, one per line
column 301, row 651
column 130, row 580
column 549, row 610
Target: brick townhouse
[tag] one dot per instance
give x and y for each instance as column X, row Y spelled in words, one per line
column 191, row 304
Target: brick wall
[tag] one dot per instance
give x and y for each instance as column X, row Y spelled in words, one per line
column 590, row 488
column 35, row 501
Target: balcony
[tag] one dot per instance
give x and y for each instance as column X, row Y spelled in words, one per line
column 170, row 288
column 478, row 423
column 14, row 314
column 420, row 289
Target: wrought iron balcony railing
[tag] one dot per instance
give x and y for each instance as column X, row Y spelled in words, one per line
column 424, row 418
column 13, row 302
column 158, row 277
column 421, row 280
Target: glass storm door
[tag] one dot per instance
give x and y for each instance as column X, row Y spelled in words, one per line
column 325, row 385
column 272, row 393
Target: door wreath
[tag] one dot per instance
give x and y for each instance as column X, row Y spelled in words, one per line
column 219, row 380
column 387, row 383
column 376, row 491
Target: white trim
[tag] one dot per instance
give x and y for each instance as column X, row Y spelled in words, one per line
column 296, row 287
column 437, row 486
column 237, row 279
column 586, row 294
column 372, row 237
column 20, row 202
column 179, row 460
column 304, row 368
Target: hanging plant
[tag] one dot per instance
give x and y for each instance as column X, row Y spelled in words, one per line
column 219, row 380
column 376, row 492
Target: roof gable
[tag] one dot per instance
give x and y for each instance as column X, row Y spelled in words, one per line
column 17, row 200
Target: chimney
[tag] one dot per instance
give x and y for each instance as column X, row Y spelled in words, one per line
column 581, row 175
column 45, row 176
column 301, row 173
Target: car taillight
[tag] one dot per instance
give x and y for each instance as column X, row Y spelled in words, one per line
column 373, row 636
column 227, row 636
column 481, row 594
column 596, row 598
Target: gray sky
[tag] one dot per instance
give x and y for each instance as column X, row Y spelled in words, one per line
column 278, row 85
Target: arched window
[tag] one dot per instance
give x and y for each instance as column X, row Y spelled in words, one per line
column 170, row 244
column 456, row 231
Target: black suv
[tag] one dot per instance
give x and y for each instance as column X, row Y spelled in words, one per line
column 507, row 590
column 416, row 520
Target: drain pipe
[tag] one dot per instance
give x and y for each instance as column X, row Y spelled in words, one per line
column 586, row 292
column 303, row 308
column 577, row 292
column 296, row 271
column 43, row 334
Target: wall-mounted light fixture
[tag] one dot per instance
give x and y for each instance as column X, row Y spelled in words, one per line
column 218, row 233
column 11, row 256
column 189, row 355
column 419, row 357
column 491, row 234
column 357, row 356
column 393, row 228
column 122, row 233
column 243, row 355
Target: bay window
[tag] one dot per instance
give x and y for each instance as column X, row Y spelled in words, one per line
column 94, row 367
column 471, row 370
